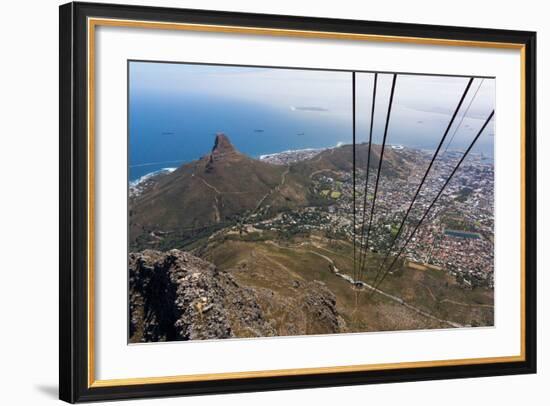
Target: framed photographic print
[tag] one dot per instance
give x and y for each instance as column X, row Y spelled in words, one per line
column 256, row 202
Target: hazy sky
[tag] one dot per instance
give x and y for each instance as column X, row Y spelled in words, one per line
column 280, row 88
column 422, row 104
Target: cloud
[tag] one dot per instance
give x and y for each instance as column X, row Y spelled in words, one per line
column 308, row 108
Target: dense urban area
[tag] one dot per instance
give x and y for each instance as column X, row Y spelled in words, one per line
column 456, row 236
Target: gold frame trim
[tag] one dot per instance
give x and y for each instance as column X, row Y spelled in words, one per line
column 94, row 22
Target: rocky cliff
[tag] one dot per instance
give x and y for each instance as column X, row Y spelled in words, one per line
column 176, row 296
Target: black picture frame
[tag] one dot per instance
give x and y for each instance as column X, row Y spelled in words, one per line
column 74, row 384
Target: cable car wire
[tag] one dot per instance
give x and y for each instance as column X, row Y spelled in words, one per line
column 463, row 116
column 441, row 142
column 361, row 257
column 354, row 220
column 376, row 285
column 380, row 160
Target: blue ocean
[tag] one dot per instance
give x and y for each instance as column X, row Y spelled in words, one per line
column 166, row 131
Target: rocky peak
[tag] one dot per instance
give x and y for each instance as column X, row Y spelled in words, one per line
column 222, row 145
column 222, row 151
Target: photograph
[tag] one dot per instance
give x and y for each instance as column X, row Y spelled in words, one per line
column 268, row 201
column 253, row 201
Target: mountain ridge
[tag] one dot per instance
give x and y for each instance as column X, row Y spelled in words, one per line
column 226, row 186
